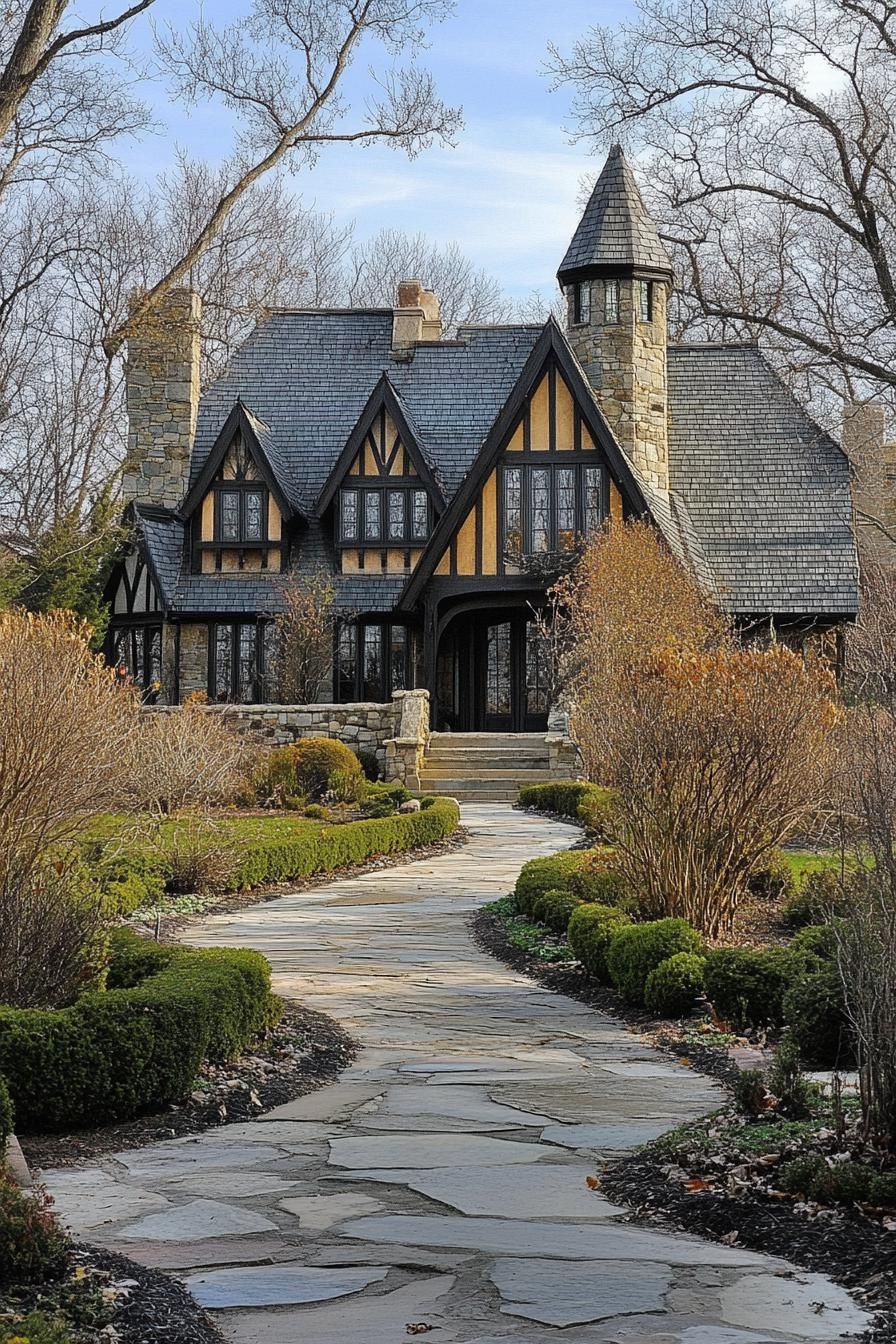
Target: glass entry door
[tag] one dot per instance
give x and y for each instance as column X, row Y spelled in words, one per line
column 516, row 691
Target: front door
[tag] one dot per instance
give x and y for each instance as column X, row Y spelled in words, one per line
column 515, row 693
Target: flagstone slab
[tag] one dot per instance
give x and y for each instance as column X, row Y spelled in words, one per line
column 430, row 1150
column 563, row 1241
column 400, row 1256
column 235, row 1184
column 369, row 1320
column 318, row 1212
column 88, row 1198
column 806, row 1305
column 180, row 1255
column 548, row 1190
column 195, row 1221
column 278, row 1285
column 613, row 1137
column 459, row 1102
column 572, row 1293
column 333, row 1103
column 162, row 1163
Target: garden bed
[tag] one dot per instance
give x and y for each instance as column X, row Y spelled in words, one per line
column 305, row 1051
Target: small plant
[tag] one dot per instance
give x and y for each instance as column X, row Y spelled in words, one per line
column 815, row 1011
column 199, row 857
column 750, row 1093
column 36, row 1328
column 673, row 987
column 592, row 928
column 821, row 897
column 314, row 812
column 773, row 881
column 33, row 1246
column 555, row 909
column 787, row 1082
column 370, row 765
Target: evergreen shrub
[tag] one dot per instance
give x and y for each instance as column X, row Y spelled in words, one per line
column 635, row 951
column 672, row 988
column 591, row 930
column 814, row 1009
column 554, row 909
column 118, row 1052
column 746, row 985
column 7, row 1116
column 552, row 873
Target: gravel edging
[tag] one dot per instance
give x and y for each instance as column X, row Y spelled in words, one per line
column 306, row 1051
column 159, row 1310
column 856, row 1252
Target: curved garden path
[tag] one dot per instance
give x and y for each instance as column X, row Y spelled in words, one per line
column 442, row 1181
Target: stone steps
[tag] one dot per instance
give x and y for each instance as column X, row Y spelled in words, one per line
column 484, row 767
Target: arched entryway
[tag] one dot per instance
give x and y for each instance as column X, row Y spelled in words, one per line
column 492, row 670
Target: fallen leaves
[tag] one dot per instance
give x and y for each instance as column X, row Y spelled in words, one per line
column 418, row 1328
column 592, row 1182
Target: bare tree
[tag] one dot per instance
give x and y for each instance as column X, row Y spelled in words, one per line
column 305, row 637
column 467, row 294
column 767, row 134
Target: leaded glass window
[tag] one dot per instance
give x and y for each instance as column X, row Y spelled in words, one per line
column 645, row 301
column 372, row 673
column 347, row 662
column 398, row 658
column 540, row 509
column 396, row 515
column 230, row 515
column 223, row 678
column 373, row 527
column 349, row 515
column 254, row 530
column 238, row 661
column 420, row 526
column 247, row 670
column 565, row 507
column 513, row 511
column 611, row 301
column 593, row 499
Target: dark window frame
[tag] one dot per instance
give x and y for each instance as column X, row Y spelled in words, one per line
column 612, row 310
column 581, row 303
column 645, row 300
column 260, row 678
column 243, row 489
column 361, row 487
column 351, row 689
column 526, row 467
column 140, row 635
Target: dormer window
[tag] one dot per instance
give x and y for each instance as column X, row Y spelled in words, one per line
column 240, row 514
column 581, row 303
column 384, row 515
column 611, row 301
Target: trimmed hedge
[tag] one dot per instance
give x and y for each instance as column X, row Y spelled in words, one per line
column 553, row 873
column 746, row 985
column 588, row 803
column 336, row 846
column 136, row 1047
column 554, row 909
column 672, row 987
column 639, row 949
column 814, row 1009
column 592, row 928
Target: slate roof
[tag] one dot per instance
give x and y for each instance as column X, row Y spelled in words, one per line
column 615, row 232
column 762, row 492
column 308, row 374
column 759, row 502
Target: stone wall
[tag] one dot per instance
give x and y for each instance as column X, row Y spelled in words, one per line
column 193, row 659
column 162, row 382
column 626, row 364
column 395, row 732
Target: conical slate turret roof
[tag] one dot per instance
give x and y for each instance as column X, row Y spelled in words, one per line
column 615, row 232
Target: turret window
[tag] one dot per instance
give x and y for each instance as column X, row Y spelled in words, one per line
column 645, row 300
column 611, row 301
column 581, row 303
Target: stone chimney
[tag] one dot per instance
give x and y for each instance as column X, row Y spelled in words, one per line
column 162, row 382
column 417, row 317
column 873, row 463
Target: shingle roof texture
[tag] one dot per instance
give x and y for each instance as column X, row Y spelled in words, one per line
column 763, row 492
column 615, row 231
column 759, row 502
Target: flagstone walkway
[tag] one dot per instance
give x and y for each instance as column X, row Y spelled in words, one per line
column 442, row 1182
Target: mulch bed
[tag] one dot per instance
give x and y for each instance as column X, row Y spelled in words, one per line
column 853, row 1250
column 170, row 923
column 305, row 1051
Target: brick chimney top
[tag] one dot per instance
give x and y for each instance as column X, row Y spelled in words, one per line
column 417, row 316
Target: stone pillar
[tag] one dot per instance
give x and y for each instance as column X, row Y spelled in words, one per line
column 625, row 362
column 405, row 753
column 162, row 383
column 873, row 463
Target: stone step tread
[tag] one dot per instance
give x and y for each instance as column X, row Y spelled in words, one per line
column 432, row 784
column 486, row 739
column 434, row 771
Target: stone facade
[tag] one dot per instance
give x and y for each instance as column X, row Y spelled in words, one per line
column 626, row 364
column 873, row 461
column 193, row 661
column 162, row 401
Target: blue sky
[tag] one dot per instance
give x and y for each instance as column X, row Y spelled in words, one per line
column 507, row 193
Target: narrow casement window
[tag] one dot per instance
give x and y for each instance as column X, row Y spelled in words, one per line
column 611, row 301
column 223, row 684
column 347, row 662
column 581, row 303
column 230, row 515
column 254, row 528
column 247, row 664
column 372, row 672
column 513, row 511
column 396, row 515
column 565, row 507
column 398, row 658
column 420, row 527
column 349, row 515
column 645, row 301
column 540, row 509
column 593, row 499
column 237, row 661
column 373, row 524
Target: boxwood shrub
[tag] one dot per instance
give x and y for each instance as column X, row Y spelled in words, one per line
column 552, row 873
column 554, row 909
column 672, row 988
column 592, row 928
column 118, row 1052
column 634, row 952
column 814, row 1009
column 588, row 803
column 746, row 985
column 336, row 846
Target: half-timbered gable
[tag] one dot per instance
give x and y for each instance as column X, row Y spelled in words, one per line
column 237, row 510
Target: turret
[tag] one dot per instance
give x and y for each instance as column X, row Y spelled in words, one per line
column 617, row 278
